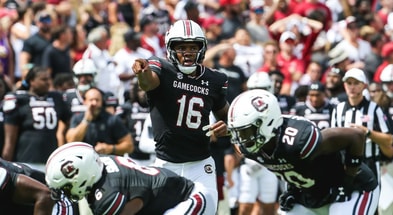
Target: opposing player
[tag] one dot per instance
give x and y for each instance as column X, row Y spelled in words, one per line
column 181, row 94
column 308, row 159
column 117, row 185
column 23, row 191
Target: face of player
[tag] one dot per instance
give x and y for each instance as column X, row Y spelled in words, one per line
column 316, row 98
column 354, row 88
column 277, row 80
column 94, row 101
column 187, row 53
column 40, row 84
column 333, row 81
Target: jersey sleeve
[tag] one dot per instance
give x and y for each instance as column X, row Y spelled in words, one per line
column 112, row 204
column 306, row 136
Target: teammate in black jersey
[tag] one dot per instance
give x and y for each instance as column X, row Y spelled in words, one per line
column 23, row 191
column 182, row 93
column 309, row 160
column 117, row 185
column 32, row 116
column 317, row 108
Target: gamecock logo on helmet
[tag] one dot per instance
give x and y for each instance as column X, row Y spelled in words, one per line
column 259, row 104
column 69, row 170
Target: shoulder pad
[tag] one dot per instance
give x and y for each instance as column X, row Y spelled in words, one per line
column 9, row 102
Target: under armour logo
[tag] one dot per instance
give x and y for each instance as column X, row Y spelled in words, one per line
column 205, row 83
column 341, row 191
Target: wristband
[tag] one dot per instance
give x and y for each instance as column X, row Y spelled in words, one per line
column 353, row 160
column 368, row 133
column 114, row 150
column 86, row 121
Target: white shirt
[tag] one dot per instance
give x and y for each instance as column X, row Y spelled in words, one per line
column 106, row 78
column 124, row 59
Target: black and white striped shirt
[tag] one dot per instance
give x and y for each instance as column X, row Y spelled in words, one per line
column 368, row 114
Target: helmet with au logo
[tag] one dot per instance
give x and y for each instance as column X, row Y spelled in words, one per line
column 185, row 31
column 253, row 119
column 73, row 169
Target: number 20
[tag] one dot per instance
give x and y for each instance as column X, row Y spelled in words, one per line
column 289, row 136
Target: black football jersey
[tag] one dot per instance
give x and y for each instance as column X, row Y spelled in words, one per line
column 180, row 107
column 297, row 140
column 320, row 116
column 37, row 119
column 74, row 101
column 123, row 180
column 135, row 122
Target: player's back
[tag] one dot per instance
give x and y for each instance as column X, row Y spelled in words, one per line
column 159, row 189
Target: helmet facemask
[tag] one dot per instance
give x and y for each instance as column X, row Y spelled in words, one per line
column 200, row 55
column 185, row 31
column 249, row 137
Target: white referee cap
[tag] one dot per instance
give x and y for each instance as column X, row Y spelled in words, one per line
column 357, row 74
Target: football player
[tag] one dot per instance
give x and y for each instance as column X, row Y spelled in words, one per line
column 23, row 191
column 117, row 185
column 308, row 159
column 182, row 93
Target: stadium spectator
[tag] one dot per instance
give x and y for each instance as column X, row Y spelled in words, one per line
column 97, row 50
column 291, row 67
column 94, row 14
column 124, row 59
column 387, row 55
column 79, row 44
column 123, row 11
column 159, row 12
column 374, row 59
column 356, row 48
column 22, row 29
column 248, row 53
column 56, row 57
column 34, row 46
column 151, row 39
column 259, row 30
column 213, row 29
column 104, row 131
column 231, row 13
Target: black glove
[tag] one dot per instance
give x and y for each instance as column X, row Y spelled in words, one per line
column 287, row 201
column 365, row 180
column 340, row 194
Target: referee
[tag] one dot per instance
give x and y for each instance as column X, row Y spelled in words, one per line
column 357, row 111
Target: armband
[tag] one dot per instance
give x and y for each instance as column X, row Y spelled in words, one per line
column 353, row 160
column 113, row 149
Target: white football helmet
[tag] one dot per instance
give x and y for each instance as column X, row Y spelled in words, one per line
column 260, row 80
column 253, row 119
column 73, row 169
column 185, row 31
column 84, row 66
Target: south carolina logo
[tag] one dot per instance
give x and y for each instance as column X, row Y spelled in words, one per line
column 208, row 169
column 259, row 104
column 69, row 170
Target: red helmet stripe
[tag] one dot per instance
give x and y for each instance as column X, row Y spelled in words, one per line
column 187, row 28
